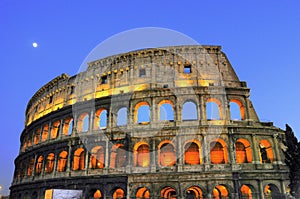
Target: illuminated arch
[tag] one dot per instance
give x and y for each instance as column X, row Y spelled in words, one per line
column 119, row 194
column 62, row 161
column 97, row 158
column 30, row 167
column 166, row 110
column 122, row 116
column 78, row 159
column 266, row 152
column 213, row 109
column 100, row 121
column 68, row 126
column 49, row 163
column 83, row 122
column 166, row 154
column 141, row 155
column 55, row 129
column 37, row 135
column 271, row 191
column 45, row 132
column 168, row 193
column 142, row 193
column 118, row 156
column 189, row 111
column 142, row 113
column 218, row 152
column 243, row 151
column 220, row 192
column 246, row 192
column 237, row 110
column 39, row 165
column 194, row 192
column 97, row 194
column 192, row 152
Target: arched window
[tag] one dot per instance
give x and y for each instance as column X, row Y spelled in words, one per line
column 243, row 151
column 166, row 110
column 266, row 153
column 142, row 193
column 122, row 117
column 220, row 192
column 218, row 152
column 272, row 191
column 97, row 158
column 167, row 155
column 141, row 155
column 142, row 113
column 97, row 194
column 118, row 156
column 213, row 109
column 100, row 119
column 83, row 122
column 68, row 126
column 37, row 135
column 78, row 159
column 168, row 193
column 30, row 167
column 189, row 111
column 119, row 194
column 39, row 165
column 29, row 141
column 192, row 153
column 246, row 192
column 49, row 163
column 237, row 111
column 45, row 132
column 62, row 161
column 194, row 192
column 55, row 129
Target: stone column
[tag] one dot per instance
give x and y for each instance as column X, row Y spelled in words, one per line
column 153, row 157
column 60, row 130
column 277, row 159
column 69, row 157
column 254, row 148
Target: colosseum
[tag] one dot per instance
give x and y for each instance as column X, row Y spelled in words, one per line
column 172, row 122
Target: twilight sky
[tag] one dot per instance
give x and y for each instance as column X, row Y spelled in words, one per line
column 260, row 38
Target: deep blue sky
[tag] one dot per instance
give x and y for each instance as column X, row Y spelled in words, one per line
column 261, row 39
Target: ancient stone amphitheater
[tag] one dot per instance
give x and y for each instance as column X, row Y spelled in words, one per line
column 172, row 122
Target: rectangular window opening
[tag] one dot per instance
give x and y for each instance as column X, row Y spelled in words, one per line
column 104, row 80
column 187, row 69
column 142, row 72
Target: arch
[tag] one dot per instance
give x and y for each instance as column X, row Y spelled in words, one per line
column 213, row 109
column 237, row 110
column 119, row 194
column 34, row 195
column 97, row 194
column 83, row 122
column 141, row 155
column 49, row 163
column 97, row 158
column 168, row 193
column 45, row 132
column 192, row 153
column 37, row 135
column 118, row 156
column 39, row 165
column 189, row 111
column 142, row 113
column 166, row 154
column 243, row 151
column 122, row 116
column 266, row 152
column 142, row 193
column 62, row 161
column 246, row 192
column 218, row 152
column 30, row 167
column 55, row 129
column 78, row 159
column 166, row 110
column 100, row 121
column 220, row 192
column 271, row 191
column 68, row 126
column 194, row 192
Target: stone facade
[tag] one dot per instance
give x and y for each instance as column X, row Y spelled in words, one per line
column 172, row 122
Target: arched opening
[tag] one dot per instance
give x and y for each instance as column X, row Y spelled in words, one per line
column 37, row 135
column 166, row 110
column 68, row 126
column 142, row 193
column 189, row 111
column 220, row 192
column 271, row 191
column 49, row 163
column 97, row 158
column 55, row 129
column 39, row 165
column 167, row 154
column 34, row 195
column 194, row 192
column 218, row 152
column 45, row 132
column 243, row 151
column 237, row 111
column 213, row 109
column 97, row 194
column 83, row 122
column 168, row 193
column 122, row 117
column 30, row 167
column 29, row 141
column 118, row 156
column 78, row 159
column 192, row 153
column 119, row 194
column 266, row 153
column 141, row 155
column 142, row 113
column 246, row 192
column 62, row 161
column 100, row 121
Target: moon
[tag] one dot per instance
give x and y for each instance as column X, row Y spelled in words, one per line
column 34, row 44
